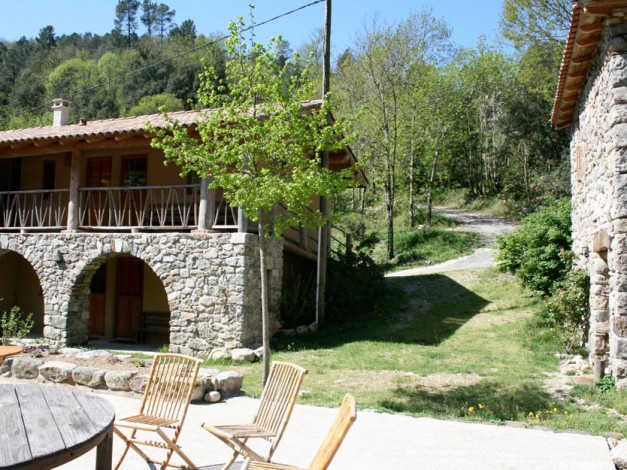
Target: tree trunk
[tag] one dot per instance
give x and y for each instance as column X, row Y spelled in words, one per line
column 412, row 212
column 389, row 205
column 430, row 190
column 265, row 313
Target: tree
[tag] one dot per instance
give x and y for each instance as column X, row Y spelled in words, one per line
column 148, row 15
column 186, row 31
column 47, row 39
column 126, row 19
column 374, row 84
column 526, row 22
column 164, row 18
column 261, row 145
column 162, row 102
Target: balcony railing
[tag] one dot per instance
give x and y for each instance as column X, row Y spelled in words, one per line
column 128, row 208
column 145, row 207
column 29, row 210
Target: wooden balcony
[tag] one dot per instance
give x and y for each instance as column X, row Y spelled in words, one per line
column 34, row 210
column 134, row 209
column 139, row 208
column 163, row 208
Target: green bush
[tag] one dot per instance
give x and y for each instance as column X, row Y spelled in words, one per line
column 535, row 251
column 568, row 310
column 354, row 283
column 15, row 325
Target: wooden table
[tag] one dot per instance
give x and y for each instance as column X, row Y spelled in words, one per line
column 43, row 426
column 6, row 351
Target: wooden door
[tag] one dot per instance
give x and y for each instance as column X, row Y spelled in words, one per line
column 98, row 302
column 129, row 297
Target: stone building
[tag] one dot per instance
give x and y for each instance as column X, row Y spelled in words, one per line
column 97, row 236
column 592, row 100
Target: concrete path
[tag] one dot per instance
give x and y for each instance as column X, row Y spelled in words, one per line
column 488, row 229
column 381, row 441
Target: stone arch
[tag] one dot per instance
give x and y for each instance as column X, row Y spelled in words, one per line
column 21, row 285
column 80, row 309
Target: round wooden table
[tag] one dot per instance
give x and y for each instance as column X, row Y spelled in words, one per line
column 44, row 426
column 6, row 351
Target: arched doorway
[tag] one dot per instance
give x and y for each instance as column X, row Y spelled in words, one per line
column 20, row 286
column 117, row 292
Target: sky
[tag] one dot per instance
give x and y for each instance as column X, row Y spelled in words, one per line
column 468, row 19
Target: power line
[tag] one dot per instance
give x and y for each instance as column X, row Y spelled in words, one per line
column 186, row 52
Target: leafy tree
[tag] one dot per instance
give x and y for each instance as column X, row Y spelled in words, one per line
column 526, row 22
column 260, row 145
column 126, row 19
column 374, row 85
column 163, row 102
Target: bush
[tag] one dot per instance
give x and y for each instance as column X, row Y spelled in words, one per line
column 15, row 325
column 354, row 283
column 568, row 310
column 535, row 251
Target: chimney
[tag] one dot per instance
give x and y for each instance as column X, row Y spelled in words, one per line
column 60, row 112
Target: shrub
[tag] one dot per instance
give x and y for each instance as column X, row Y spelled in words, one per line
column 15, row 325
column 354, row 283
column 568, row 310
column 535, row 251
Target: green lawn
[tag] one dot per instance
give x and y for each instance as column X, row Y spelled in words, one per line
column 455, row 346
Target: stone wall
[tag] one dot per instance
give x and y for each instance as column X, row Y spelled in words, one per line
column 599, row 195
column 211, row 280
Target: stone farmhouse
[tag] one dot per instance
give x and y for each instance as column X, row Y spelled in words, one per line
column 99, row 239
column 592, row 101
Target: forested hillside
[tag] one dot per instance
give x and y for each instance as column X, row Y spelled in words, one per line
column 428, row 114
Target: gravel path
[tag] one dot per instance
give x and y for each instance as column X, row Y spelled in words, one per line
column 487, row 227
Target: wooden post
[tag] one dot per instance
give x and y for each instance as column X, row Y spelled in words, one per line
column 73, row 203
column 206, row 206
column 242, row 222
column 323, row 240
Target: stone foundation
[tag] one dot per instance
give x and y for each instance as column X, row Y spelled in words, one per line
column 211, row 280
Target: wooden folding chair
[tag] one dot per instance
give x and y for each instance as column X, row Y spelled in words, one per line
column 277, row 402
column 163, row 408
column 345, row 418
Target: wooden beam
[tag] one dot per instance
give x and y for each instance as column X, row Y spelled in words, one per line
column 570, row 99
column 123, row 137
column 582, row 72
column 94, row 140
column 595, row 10
column 43, row 143
column 589, row 41
column 583, row 59
column 595, row 27
column 572, row 88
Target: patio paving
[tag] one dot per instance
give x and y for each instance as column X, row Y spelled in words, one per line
column 380, row 440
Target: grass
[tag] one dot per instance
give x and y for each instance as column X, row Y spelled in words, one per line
column 460, row 346
column 429, row 246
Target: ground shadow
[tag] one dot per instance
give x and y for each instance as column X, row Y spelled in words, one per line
column 423, row 310
column 486, row 399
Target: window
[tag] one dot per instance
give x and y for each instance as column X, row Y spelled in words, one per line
column 134, row 170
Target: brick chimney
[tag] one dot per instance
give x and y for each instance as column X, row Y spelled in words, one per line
column 60, row 112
